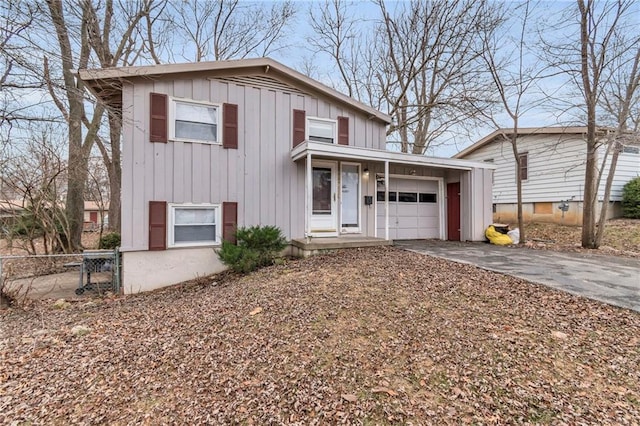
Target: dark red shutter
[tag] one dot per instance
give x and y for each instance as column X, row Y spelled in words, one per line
column 230, row 126
column 229, row 221
column 159, row 117
column 299, row 124
column 157, row 225
column 343, row 130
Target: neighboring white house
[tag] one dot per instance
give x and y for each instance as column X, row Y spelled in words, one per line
column 210, row 146
column 553, row 160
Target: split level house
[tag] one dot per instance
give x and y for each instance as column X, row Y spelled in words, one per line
column 553, row 167
column 211, row 146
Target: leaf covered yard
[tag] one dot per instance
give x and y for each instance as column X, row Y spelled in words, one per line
column 375, row 336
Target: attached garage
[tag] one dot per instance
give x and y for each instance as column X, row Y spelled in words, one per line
column 415, row 208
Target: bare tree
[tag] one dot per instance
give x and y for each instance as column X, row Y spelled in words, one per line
column 36, row 174
column 419, row 61
column 116, row 34
column 229, row 29
column 19, row 97
column 67, row 93
column 586, row 54
column 515, row 76
column 620, row 97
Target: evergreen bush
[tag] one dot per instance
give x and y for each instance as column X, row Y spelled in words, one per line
column 109, row 241
column 257, row 246
column 631, row 199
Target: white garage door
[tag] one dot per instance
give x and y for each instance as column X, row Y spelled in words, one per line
column 413, row 209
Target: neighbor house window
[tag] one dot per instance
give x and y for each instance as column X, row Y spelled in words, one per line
column 631, row 150
column 194, row 224
column 195, row 121
column 524, row 165
column 321, row 130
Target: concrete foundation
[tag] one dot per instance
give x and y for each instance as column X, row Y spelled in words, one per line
column 150, row 270
column 550, row 212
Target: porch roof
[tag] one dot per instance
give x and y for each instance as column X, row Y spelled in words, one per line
column 368, row 154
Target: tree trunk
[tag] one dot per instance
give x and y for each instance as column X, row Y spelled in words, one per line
column 514, row 147
column 590, row 89
column 115, row 173
column 607, row 196
column 590, row 192
column 77, row 176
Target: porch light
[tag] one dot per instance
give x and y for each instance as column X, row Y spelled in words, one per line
column 365, row 173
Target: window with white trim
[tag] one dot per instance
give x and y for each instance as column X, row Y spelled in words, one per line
column 322, row 130
column 194, row 121
column 194, row 225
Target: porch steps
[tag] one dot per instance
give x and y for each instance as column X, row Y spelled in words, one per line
column 304, row 247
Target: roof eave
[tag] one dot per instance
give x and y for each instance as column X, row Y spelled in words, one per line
column 112, row 78
column 369, row 154
column 528, row 131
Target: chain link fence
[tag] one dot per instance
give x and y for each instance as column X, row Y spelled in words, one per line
column 60, row 275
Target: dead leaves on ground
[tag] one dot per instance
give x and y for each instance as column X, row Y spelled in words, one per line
column 363, row 336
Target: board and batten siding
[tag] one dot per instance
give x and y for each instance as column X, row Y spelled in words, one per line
column 556, row 167
column 260, row 175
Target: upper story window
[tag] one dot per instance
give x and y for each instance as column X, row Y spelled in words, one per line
column 631, row 149
column 321, row 130
column 193, row 121
column 524, row 165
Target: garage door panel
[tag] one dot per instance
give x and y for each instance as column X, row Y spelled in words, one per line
column 406, row 222
column 428, row 210
column 427, row 222
column 428, row 233
column 411, row 220
column 405, row 210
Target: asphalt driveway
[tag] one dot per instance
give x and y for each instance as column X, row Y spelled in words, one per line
column 609, row 279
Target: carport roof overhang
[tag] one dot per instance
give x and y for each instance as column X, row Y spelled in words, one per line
column 344, row 152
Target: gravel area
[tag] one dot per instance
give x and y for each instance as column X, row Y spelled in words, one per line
column 375, row 336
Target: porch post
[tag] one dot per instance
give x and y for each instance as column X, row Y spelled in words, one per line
column 308, row 193
column 386, row 200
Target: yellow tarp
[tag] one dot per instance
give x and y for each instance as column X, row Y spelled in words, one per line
column 496, row 237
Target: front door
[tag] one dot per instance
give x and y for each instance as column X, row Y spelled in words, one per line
column 349, row 197
column 324, row 214
column 453, row 211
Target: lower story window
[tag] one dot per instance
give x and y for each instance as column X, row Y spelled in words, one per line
column 194, row 224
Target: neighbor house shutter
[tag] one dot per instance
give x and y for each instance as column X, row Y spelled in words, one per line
column 157, row 225
column 229, row 221
column 159, row 117
column 230, row 126
column 299, row 124
column 343, row 130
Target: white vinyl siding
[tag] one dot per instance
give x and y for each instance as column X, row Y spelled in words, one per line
column 194, row 225
column 556, row 167
column 191, row 121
